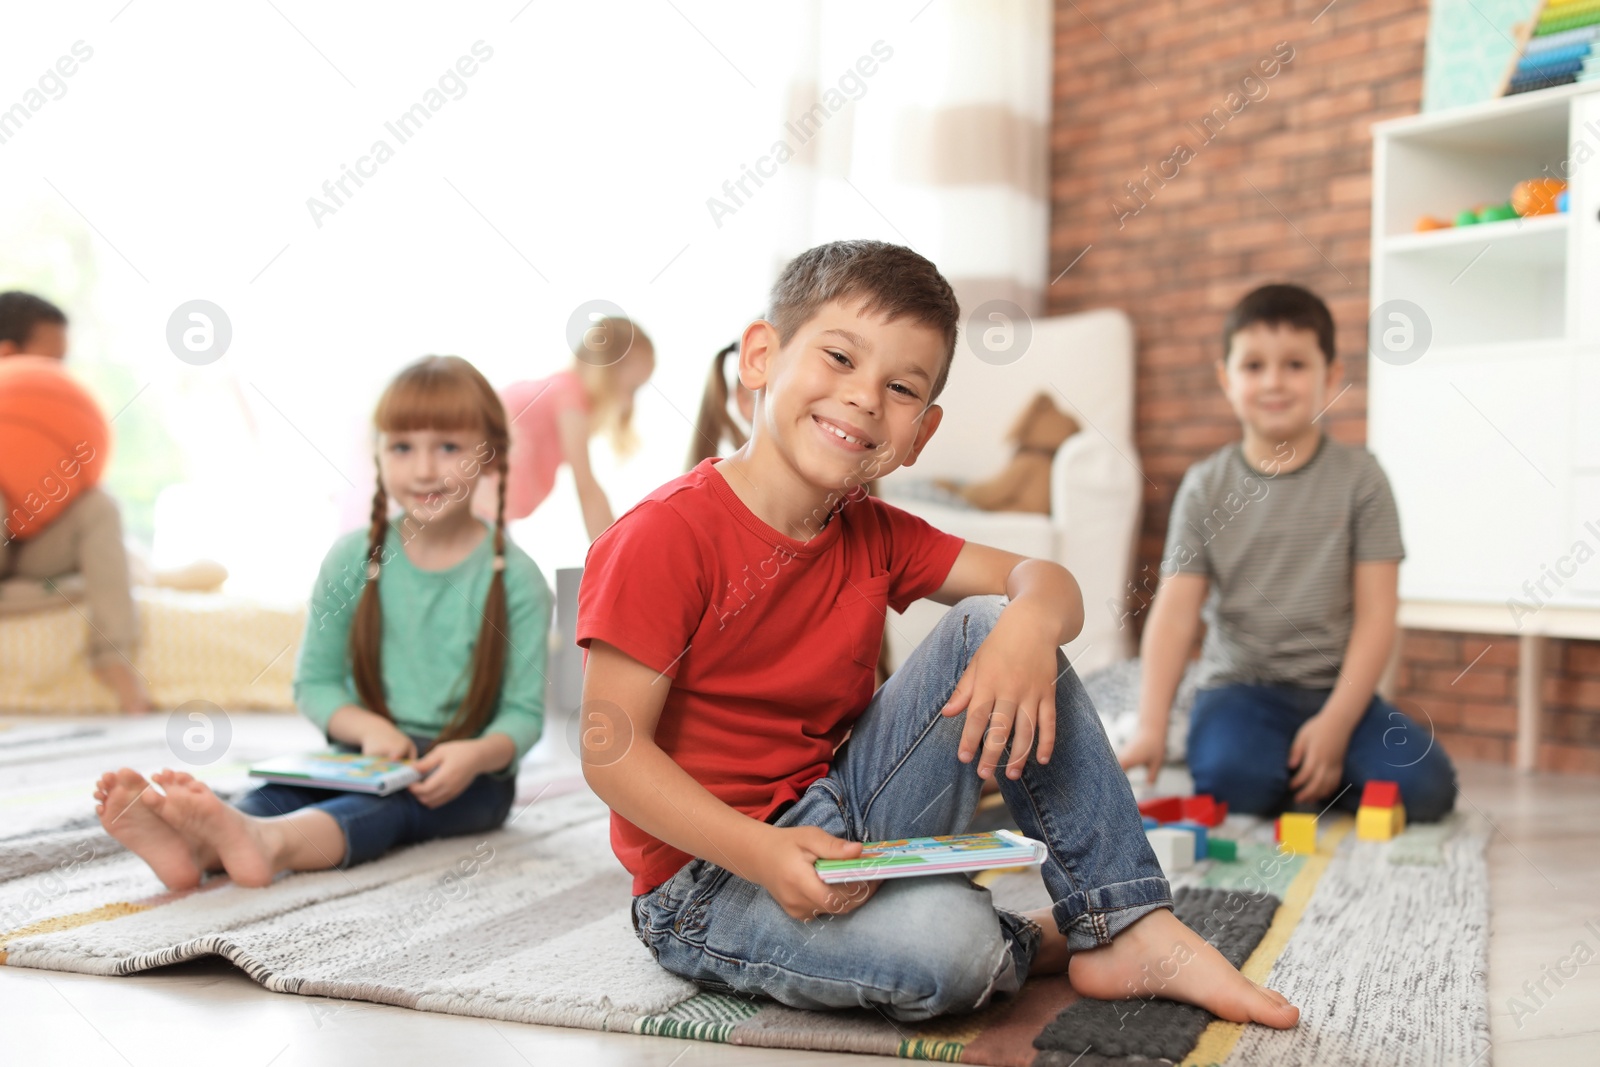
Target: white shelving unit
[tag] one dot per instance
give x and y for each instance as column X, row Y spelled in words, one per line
column 1492, row 437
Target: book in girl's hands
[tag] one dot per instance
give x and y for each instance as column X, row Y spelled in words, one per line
column 914, row 856
column 347, row 771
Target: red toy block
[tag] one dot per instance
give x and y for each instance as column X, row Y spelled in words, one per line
column 1380, row 795
column 1162, row 809
column 1204, row 809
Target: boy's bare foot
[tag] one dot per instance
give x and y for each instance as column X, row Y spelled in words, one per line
column 201, row 819
column 120, row 803
column 120, row 677
column 1158, row 956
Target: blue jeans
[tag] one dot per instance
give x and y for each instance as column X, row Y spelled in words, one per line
column 922, row 946
column 1239, row 738
column 373, row 825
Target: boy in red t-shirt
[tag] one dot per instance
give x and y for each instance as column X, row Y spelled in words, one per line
column 733, row 620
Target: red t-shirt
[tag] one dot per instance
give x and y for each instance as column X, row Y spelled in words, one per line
column 770, row 643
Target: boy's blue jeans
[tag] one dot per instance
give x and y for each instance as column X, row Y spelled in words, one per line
column 373, row 825
column 1239, row 739
column 922, row 946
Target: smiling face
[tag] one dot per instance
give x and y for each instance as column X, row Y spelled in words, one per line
column 848, row 398
column 431, row 473
column 1276, row 379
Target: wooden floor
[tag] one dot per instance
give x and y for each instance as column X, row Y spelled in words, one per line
column 1544, row 868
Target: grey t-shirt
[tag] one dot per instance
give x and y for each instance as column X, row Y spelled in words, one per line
column 1280, row 554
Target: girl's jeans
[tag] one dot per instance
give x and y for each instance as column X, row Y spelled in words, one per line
column 922, row 946
column 373, row 825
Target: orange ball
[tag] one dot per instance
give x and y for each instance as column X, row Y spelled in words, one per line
column 1537, row 196
column 54, row 442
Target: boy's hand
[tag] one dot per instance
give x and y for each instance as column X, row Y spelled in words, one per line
column 450, row 767
column 1009, row 693
column 385, row 739
column 1317, row 758
column 783, row 866
column 1147, row 749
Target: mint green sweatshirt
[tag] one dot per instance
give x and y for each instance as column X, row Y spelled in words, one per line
column 430, row 626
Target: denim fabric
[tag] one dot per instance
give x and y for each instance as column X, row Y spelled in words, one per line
column 922, row 946
column 373, row 825
column 1239, row 738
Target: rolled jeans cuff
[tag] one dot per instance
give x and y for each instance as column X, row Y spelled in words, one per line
column 1093, row 918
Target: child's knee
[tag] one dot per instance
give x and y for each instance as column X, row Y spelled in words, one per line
column 957, row 971
column 1429, row 793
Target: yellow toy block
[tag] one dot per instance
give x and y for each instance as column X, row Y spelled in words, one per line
column 1375, row 824
column 1380, row 824
column 1298, row 833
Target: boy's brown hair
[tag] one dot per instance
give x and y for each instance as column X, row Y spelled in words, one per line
column 1281, row 305
column 894, row 281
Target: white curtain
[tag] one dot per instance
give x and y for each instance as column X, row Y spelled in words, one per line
column 930, row 129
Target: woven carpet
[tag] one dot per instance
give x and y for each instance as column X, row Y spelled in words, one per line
column 1384, row 948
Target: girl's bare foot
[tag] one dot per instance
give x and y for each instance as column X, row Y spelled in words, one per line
column 120, row 801
column 1158, row 956
column 205, row 855
column 241, row 844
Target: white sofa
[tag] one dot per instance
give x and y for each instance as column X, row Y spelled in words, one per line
column 1085, row 363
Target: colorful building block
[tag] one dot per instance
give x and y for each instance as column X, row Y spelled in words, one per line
column 1149, row 823
column 1220, row 848
column 1380, row 824
column 1174, row 849
column 1380, row 795
column 1162, row 809
column 1197, row 830
column 1298, row 833
column 1204, row 809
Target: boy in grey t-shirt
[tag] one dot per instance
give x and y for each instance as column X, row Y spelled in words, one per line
column 1288, row 545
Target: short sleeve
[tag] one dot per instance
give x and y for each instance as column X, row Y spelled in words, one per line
column 1186, row 550
column 920, row 555
column 643, row 588
column 1375, row 524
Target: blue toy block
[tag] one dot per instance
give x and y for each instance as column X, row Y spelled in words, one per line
column 1149, row 823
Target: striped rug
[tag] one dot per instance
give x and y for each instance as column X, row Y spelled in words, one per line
column 530, row 924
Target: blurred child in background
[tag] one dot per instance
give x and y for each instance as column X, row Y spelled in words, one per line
column 553, row 418
column 84, row 541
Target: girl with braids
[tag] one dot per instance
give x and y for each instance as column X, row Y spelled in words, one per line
column 426, row 640
column 716, row 424
column 553, row 418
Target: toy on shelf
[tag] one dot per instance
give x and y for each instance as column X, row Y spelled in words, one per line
column 1535, row 196
column 1556, row 47
column 1382, row 816
column 1297, row 833
column 1149, row 823
column 1174, row 849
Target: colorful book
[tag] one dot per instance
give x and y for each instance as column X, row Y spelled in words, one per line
column 914, row 856
column 346, row 771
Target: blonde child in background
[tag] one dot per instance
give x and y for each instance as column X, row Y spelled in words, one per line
column 426, row 638
column 553, row 418
column 85, row 541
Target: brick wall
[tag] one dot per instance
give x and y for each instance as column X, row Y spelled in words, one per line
column 1202, row 147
